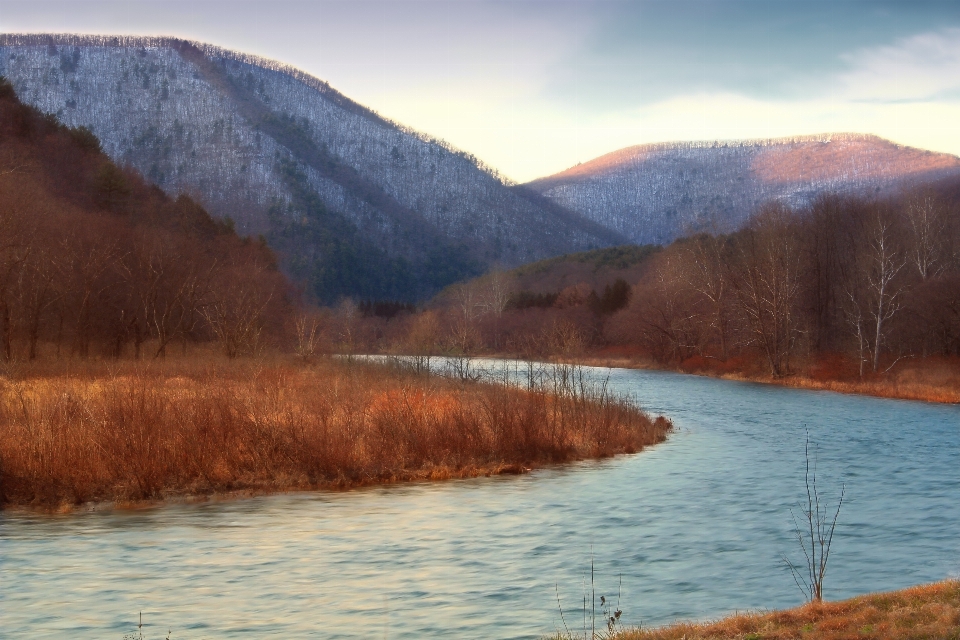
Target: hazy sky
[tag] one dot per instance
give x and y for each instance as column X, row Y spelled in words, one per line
column 534, row 86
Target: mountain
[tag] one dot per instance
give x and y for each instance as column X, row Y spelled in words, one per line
column 356, row 205
column 657, row 192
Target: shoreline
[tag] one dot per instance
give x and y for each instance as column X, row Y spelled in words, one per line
column 422, row 477
column 917, row 391
column 923, row 611
column 131, row 436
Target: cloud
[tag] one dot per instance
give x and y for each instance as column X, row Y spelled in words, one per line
column 532, row 139
column 907, row 91
column 921, row 67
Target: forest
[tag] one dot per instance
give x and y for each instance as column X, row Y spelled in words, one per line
column 845, row 288
column 95, row 261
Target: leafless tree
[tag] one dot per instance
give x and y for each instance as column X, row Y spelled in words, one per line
column 170, row 287
column 462, row 335
column 307, row 327
column 814, row 530
column 236, row 309
column 15, row 248
column 87, row 262
column 926, row 226
column 767, row 279
column 421, row 340
column 875, row 293
column 495, row 291
column 704, row 271
column 40, row 292
column 669, row 322
column 468, row 301
column 347, row 316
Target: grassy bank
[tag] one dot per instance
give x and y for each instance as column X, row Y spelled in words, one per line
column 928, row 611
column 131, row 431
column 929, row 380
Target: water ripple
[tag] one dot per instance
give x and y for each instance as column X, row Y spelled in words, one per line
column 695, row 526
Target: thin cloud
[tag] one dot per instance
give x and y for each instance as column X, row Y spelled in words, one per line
column 922, row 67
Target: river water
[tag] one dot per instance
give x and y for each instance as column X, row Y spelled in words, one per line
column 692, row 528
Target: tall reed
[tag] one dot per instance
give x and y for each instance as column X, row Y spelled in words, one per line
column 130, row 432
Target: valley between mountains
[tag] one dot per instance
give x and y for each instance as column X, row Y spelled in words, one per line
column 358, row 206
column 220, row 277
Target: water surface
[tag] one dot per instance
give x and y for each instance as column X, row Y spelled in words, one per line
column 695, row 526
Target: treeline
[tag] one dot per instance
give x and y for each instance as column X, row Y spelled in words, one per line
column 854, row 284
column 95, row 261
column 875, row 281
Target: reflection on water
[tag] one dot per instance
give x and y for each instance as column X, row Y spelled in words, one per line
column 695, row 526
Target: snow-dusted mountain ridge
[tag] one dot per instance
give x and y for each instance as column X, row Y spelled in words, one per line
column 362, row 206
column 356, row 204
column 657, row 192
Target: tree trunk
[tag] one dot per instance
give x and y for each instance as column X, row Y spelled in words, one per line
column 5, row 336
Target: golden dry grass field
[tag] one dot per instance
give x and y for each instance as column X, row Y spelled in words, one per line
column 128, row 431
column 928, row 612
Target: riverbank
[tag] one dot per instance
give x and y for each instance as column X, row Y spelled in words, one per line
column 129, row 432
column 935, row 381
column 926, row 611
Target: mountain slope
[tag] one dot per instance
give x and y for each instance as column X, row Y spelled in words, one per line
column 357, row 205
column 655, row 193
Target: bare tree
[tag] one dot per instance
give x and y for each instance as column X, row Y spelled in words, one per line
column 814, row 530
column 704, row 272
column 875, row 293
column 347, row 318
column 40, row 292
column 421, row 340
column 926, row 226
column 236, row 308
column 495, row 291
column 767, row 279
column 307, row 326
column 468, row 301
column 855, row 318
column 14, row 251
column 462, row 335
column 668, row 321
column 170, row 287
column 564, row 338
column 87, row 261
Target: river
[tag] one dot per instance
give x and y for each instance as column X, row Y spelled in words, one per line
column 692, row 528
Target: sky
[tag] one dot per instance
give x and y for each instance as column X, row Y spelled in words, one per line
column 532, row 87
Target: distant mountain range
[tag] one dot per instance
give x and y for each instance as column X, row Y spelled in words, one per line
column 357, row 205
column 657, row 192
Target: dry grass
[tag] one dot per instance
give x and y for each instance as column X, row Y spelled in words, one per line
column 928, row 611
column 132, row 432
column 930, row 379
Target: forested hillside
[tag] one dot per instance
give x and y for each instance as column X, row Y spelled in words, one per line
column 845, row 288
column 656, row 193
column 96, row 261
column 356, row 205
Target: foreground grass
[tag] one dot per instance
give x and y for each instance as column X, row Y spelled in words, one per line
column 928, row 611
column 128, row 431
